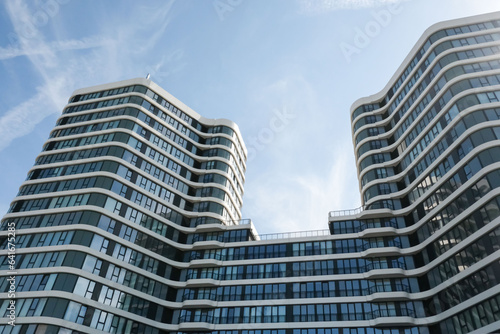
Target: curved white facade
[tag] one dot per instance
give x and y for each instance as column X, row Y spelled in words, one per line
column 130, row 220
column 427, row 153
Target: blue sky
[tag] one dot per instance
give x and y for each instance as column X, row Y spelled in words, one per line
column 287, row 71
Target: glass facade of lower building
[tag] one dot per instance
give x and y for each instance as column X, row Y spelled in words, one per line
column 130, row 221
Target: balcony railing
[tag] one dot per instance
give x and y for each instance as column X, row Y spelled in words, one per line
column 385, row 204
column 200, row 255
column 289, row 235
column 350, row 212
column 363, row 226
column 210, row 220
column 263, row 318
column 214, row 296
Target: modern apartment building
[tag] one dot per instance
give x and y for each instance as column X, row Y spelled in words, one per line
column 130, row 221
column 106, row 221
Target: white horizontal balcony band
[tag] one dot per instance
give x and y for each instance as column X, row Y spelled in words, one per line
column 156, row 148
column 440, row 93
column 434, row 62
column 187, row 230
column 447, row 201
column 460, row 307
column 436, row 98
column 112, row 195
column 419, row 81
column 208, row 262
column 413, row 228
column 470, row 181
column 203, row 326
column 100, row 256
column 452, row 251
column 463, row 113
column 369, row 275
column 448, row 106
column 136, row 169
column 200, row 303
column 471, row 155
column 52, row 321
column 109, row 236
column 138, row 121
column 92, row 303
column 491, row 328
column 451, row 172
column 375, row 297
column 142, row 124
column 202, row 283
column 150, row 144
column 494, row 257
column 444, row 178
column 379, row 321
column 236, row 154
column 418, row 45
column 422, row 94
column 95, row 278
column 167, row 96
column 193, row 199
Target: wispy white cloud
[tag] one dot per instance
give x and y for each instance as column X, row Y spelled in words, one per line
column 322, row 6
column 51, row 47
column 51, row 94
column 301, row 202
column 160, row 18
column 61, row 72
column 301, row 176
column 52, row 62
column 22, row 119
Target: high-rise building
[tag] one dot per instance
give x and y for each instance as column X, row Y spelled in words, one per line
column 427, row 153
column 130, row 221
column 129, row 179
